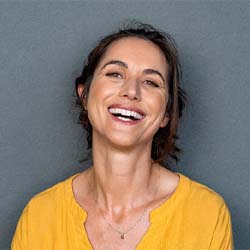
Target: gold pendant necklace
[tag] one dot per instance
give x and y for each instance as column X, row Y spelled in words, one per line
column 122, row 233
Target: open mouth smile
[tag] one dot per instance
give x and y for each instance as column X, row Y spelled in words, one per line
column 126, row 116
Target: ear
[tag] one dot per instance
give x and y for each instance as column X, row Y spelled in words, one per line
column 165, row 120
column 80, row 90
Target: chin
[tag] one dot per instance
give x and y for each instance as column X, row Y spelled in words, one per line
column 128, row 142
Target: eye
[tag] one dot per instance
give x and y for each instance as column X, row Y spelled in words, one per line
column 151, row 83
column 114, row 74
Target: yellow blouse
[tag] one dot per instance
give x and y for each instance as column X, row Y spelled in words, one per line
column 194, row 218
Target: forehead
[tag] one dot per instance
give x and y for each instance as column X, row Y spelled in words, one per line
column 136, row 52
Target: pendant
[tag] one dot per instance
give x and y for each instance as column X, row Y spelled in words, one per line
column 122, row 236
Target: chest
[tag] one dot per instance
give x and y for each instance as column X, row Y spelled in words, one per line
column 105, row 236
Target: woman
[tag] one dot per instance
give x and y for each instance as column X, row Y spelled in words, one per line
column 131, row 103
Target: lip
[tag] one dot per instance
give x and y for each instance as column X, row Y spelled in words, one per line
column 132, row 122
column 123, row 106
column 127, row 107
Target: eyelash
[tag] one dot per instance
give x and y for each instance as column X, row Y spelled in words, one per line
column 115, row 75
column 112, row 74
column 153, row 83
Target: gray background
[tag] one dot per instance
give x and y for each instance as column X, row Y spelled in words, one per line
column 42, row 48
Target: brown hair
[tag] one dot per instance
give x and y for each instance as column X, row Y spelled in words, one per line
column 164, row 140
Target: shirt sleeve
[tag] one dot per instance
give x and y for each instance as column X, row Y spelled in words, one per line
column 223, row 235
column 20, row 238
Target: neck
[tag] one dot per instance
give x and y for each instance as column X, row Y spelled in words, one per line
column 122, row 179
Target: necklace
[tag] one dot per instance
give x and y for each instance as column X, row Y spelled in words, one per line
column 122, row 233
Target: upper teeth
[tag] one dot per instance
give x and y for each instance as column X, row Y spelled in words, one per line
column 125, row 112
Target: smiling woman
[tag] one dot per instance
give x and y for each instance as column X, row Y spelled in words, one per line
column 131, row 102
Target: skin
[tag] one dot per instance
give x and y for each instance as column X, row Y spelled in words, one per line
column 123, row 177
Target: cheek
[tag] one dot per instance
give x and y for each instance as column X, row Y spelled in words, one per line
column 101, row 88
column 98, row 94
column 158, row 103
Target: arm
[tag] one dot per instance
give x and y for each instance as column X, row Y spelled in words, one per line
column 20, row 238
column 223, row 236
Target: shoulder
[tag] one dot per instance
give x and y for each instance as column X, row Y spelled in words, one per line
column 201, row 204
column 43, row 214
column 197, row 211
column 186, row 190
column 191, row 197
column 201, row 195
column 48, row 201
column 206, row 211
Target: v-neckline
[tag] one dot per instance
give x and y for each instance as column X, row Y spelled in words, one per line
column 156, row 215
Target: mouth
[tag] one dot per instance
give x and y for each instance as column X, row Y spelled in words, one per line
column 128, row 115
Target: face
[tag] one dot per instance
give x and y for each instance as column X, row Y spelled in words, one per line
column 130, row 80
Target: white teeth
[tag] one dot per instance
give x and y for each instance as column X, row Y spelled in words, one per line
column 124, row 119
column 125, row 112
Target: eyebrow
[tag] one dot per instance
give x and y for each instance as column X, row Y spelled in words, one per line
column 125, row 65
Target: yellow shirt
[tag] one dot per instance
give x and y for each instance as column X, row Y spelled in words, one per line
column 194, row 218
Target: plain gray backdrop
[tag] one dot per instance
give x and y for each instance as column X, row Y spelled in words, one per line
column 42, row 48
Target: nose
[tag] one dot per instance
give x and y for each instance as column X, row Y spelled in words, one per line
column 131, row 89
